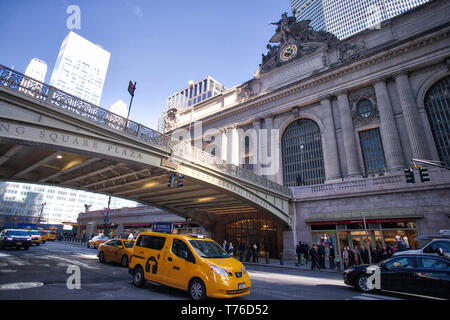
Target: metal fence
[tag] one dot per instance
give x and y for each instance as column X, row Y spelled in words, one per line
column 55, row 98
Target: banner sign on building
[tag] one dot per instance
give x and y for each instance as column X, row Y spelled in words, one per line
column 163, row 227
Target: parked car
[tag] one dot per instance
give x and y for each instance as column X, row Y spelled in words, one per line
column 15, row 238
column 191, row 263
column 95, row 242
column 422, row 275
column 430, row 248
column 116, row 250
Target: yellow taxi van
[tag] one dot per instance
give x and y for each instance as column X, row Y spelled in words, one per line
column 192, row 263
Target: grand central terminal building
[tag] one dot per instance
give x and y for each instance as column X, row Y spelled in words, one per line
column 339, row 121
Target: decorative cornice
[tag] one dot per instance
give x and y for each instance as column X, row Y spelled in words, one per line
column 336, row 72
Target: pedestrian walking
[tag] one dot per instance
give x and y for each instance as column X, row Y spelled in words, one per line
column 314, row 260
column 351, row 257
column 255, row 253
column 322, row 256
column 230, row 249
column 345, row 258
column 332, row 256
column 365, row 255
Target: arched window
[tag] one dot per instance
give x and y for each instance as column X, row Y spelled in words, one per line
column 302, row 154
column 437, row 106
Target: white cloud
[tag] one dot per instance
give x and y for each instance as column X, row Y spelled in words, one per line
column 138, row 12
column 120, row 108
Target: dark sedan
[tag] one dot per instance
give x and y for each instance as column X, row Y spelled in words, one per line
column 15, row 238
column 419, row 275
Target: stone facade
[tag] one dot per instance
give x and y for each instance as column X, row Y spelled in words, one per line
column 392, row 67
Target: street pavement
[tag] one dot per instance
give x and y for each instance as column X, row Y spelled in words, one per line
column 42, row 273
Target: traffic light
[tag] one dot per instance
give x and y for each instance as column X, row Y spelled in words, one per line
column 409, row 175
column 172, row 180
column 424, row 176
column 180, row 181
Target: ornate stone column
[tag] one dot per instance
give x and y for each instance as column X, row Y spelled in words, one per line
column 257, row 166
column 411, row 117
column 233, row 145
column 267, row 146
column 388, row 128
column 331, row 156
column 223, row 144
column 348, row 132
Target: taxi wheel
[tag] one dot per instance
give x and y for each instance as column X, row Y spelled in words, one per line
column 124, row 261
column 197, row 290
column 101, row 256
column 138, row 277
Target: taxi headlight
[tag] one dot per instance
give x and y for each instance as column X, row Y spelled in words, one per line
column 218, row 270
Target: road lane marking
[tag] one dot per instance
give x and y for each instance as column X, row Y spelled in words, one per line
column 8, row 270
column 16, row 262
column 20, row 285
column 77, row 263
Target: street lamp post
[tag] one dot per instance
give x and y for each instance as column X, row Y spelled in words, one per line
column 40, row 214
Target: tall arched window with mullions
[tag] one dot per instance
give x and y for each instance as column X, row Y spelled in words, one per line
column 302, row 154
column 437, row 105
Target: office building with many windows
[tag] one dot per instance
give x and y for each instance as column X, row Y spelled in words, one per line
column 81, row 68
column 22, row 203
column 309, row 10
column 345, row 18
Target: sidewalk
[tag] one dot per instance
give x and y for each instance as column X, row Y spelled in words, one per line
column 290, row 264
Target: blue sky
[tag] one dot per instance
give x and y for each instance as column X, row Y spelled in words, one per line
column 159, row 44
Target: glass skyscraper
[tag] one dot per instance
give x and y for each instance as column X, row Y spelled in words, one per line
column 310, row 10
column 344, row 18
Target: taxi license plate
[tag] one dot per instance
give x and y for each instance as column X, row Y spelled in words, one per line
column 19, row 243
column 241, row 286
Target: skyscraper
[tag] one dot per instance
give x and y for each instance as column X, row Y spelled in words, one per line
column 310, row 10
column 37, row 69
column 344, row 18
column 81, row 68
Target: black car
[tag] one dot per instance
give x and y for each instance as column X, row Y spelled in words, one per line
column 15, row 238
column 426, row 275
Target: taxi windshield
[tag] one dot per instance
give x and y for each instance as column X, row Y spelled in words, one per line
column 208, row 249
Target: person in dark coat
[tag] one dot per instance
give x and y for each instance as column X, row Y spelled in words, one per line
column 322, row 256
column 365, row 255
column 332, row 256
column 298, row 251
column 351, row 257
column 314, row 259
column 306, row 251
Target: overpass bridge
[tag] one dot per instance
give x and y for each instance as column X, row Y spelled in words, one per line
column 50, row 137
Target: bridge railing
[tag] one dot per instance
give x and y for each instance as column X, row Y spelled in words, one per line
column 48, row 95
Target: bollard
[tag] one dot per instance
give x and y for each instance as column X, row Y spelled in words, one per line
column 267, row 257
column 281, row 258
column 296, row 260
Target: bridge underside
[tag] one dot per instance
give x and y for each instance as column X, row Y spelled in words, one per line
column 203, row 203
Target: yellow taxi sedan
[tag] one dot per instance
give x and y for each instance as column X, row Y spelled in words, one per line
column 95, row 242
column 116, row 250
column 35, row 237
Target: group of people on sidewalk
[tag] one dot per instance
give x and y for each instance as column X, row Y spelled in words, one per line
column 249, row 251
column 318, row 254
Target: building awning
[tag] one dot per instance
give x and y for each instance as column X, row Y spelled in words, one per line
column 371, row 216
